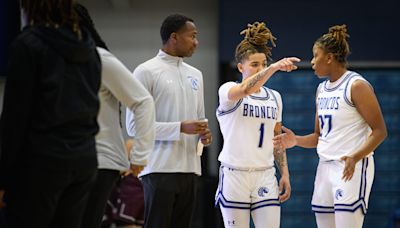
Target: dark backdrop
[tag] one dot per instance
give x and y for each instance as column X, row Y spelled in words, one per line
column 9, row 28
column 373, row 26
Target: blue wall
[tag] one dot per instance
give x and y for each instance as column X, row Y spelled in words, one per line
column 373, row 26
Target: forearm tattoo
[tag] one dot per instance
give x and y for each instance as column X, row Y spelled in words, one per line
column 255, row 79
column 280, row 158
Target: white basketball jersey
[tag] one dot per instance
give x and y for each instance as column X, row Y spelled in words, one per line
column 342, row 128
column 247, row 127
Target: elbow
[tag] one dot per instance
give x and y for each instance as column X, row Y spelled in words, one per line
column 381, row 134
column 148, row 100
column 384, row 134
column 148, row 105
column 246, row 90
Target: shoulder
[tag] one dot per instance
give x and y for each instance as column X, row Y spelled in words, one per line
column 148, row 65
column 191, row 68
column 151, row 65
column 361, row 84
column 103, row 52
column 105, row 55
column 227, row 85
column 273, row 93
column 276, row 93
column 27, row 40
column 357, row 81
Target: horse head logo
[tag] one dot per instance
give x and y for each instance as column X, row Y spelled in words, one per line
column 262, row 191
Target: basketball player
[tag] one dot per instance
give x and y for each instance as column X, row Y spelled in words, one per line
column 349, row 126
column 250, row 115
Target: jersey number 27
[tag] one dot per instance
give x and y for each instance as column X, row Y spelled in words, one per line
column 325, row 120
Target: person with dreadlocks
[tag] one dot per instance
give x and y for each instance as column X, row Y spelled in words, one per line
column 117, row 87
column 249, row 115
column 48, row 123
column 349, row 126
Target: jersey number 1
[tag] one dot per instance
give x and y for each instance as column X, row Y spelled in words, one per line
column 260, row 143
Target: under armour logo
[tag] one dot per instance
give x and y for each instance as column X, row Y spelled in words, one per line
column 339, row 194
column 262, row 191
column 231, row 222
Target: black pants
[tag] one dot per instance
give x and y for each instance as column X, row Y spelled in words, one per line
column 169, row 199
column 98, row 197
column 41, row 198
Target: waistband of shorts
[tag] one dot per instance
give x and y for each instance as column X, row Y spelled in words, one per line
column 248, row 169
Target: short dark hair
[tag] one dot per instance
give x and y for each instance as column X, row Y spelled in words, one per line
column 172, row 23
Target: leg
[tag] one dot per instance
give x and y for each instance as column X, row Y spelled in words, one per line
column 325, row 220
column 352, row 203
column 238, row 218
column 265, row 207
column 270, row 215
column 159, row 198
column 185, row 200
column 98, row 197
column 345, row 219
column 233, row 197
column 72, row 202
column 33, row 197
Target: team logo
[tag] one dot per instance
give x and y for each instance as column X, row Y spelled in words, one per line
column 339, row 194
column 262, row 191
column 193, row 82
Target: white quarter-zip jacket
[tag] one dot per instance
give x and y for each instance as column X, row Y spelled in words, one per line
column 177, row 90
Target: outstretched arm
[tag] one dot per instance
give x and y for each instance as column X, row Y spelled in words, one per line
column 289, row 139
column 253, row 83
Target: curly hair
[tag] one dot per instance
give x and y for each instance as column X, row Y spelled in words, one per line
column 256, row 38
column 52, row 13
column 335, row 42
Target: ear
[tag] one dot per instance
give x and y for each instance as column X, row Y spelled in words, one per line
column 173, row 36
column 330, row 58
column 240, row 67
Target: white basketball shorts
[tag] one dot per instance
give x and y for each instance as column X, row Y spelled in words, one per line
column 332, row 194
column 247, row 189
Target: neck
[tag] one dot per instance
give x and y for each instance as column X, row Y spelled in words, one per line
column 167, row 49
column 336, row 73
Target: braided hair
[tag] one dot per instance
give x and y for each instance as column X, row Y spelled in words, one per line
column 87, row 22
column 53, row 13
column 255, row 40
column 335, row 42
